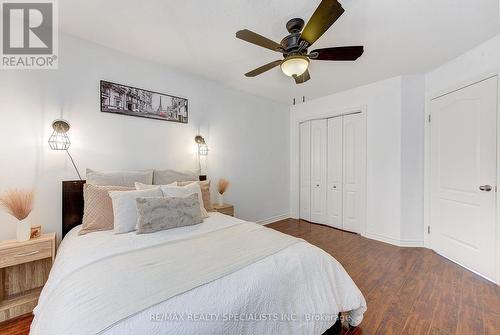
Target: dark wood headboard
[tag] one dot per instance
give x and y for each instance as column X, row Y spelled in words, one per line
column 72, row 204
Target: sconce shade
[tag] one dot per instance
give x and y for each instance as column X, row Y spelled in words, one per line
column 199, row 139
column 59, row 140
column 203, row 150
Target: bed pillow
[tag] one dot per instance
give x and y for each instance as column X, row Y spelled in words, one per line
column 125, row 209
column 205, row 191
column 119, row 178
column 155, row 214
column 164, row 177
column 183, row 191
column 98, row 208
column 141, row 186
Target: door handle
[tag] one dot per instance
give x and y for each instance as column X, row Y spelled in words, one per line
column 486, row 188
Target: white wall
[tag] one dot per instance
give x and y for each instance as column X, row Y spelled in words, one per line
column 391, row 108
column 248, row 137
column 483, row 59
column 412, row 159
column 396, row 135
column 396, row 139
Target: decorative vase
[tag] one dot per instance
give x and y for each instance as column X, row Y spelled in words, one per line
column 23, row 230
column 221, row 199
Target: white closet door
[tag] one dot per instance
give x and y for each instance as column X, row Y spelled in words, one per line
column 318, row 171
column 305, row 171
column 334, row 174
column 463, row 176
column 354, row 165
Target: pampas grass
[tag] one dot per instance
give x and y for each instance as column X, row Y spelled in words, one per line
column 18, row 203
column 222, row 186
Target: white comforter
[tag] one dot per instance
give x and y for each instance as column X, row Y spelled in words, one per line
column 298, row 290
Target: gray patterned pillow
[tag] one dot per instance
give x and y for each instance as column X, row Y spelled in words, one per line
column 155, row 214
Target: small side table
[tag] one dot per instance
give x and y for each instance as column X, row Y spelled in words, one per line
column 24, row 269
column 224, row 209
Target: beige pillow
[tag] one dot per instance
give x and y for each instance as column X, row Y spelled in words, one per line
column 164, row 177
column 155, row 214
column 98, row 208
column 119, row 178
column 205, row 191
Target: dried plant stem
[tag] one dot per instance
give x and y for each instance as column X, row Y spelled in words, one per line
column 18, row 203
column 222, row 186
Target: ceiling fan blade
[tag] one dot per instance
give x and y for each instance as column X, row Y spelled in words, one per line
column 302, row 78
column 254, row 38
column 339, row 53
column 263, row 68
column 325, row 15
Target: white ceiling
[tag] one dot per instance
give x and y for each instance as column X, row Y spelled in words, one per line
column 400, row 37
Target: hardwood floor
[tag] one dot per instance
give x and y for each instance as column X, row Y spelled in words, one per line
column 16, row 326
column 408, row 290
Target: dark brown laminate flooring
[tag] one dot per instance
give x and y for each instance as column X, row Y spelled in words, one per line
column 408, row 290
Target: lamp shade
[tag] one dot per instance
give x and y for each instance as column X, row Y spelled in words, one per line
column 295, row 65
column 59, row 139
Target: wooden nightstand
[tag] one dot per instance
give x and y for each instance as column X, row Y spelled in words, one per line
column 224, row 209
column 24, row 269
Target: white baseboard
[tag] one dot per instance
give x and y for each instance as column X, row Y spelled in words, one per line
column 273, row 219
column 412, row 243
column 394, row 241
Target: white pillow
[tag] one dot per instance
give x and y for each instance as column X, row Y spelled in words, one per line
column 141, row 186
column 125, row 208
column 184, row 191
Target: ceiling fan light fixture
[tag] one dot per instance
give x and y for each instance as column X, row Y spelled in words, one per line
column 295, row 65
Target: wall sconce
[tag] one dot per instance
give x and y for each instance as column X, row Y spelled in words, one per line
column 202, row 151
column 59, row 140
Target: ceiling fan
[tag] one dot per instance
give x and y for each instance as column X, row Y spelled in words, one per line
column 295, row 62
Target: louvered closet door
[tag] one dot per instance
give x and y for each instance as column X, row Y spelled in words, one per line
column 305, row 171
column 334, row 174
column 354, row 172
column 318, row 171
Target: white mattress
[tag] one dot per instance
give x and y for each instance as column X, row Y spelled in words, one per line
column 298, row 290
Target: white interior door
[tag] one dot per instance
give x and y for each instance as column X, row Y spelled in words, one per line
column 463, row 176
column 305, row 171
column 354, row 172
column 334, row 174
column 318, row 171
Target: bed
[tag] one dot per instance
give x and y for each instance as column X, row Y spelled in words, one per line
column 299, row 289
